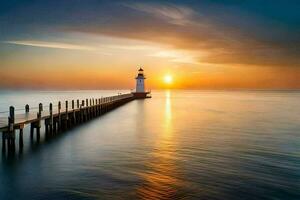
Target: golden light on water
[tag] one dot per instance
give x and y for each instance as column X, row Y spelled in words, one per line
column 162, row 181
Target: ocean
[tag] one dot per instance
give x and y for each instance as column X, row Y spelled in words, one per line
column 180, row 144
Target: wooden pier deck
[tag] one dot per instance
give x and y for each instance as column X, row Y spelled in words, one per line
column 56, row 118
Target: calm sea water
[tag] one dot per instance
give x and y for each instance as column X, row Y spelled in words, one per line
column 177, row 145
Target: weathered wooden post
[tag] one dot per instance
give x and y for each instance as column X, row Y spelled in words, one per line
column 77, row 113
column 100, row 106
column 100, row 111
column 31, row 130
column 38, row 125
column 97, row 107
column 105, row 103
column 107, row 98
column 11, row 129
column 109, row 103
column 59, row 116
column 27, row 109
column 77, row 103
column 66, row 117
column 73, row 113
column 40, row 107
column 21, row 130
column 82, row 112
column 87, row 109
column 91, row 109
column 51, row 118
column 73, row 104
column 21, row 144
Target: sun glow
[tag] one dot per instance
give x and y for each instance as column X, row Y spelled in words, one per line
column 168, row 79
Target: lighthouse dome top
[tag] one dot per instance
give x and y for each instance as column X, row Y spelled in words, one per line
column 141, row 69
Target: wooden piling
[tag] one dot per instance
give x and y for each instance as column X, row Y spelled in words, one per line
column 27, row 109
column 40, row 107
column 82, row 112
column 73, row 121
column 97, row 107
column 38, row 123
column 31, row 130
column 78, row 114
column 90, row 109
column 59, row 116
column 21, row 144
column 93, row 107
column 87, row 109
column 66, row 120
column 50, row 119
column 11, row 129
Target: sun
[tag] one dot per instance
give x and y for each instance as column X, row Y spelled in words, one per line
column 168, row 79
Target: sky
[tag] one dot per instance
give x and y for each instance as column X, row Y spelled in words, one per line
column 100, row 44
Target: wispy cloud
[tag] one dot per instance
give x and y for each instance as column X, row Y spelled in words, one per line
column 46, row 44
column 176, row 56
column 130, row 47
column 174, row 14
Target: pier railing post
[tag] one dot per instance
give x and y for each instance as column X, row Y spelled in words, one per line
column 73, row 113
column 73, row 104
column 91, row 110
column 49, row 121
column 11, row 118
column 66, row 116
column 93, row 107
column 21, row 144
column 82, row 111
column 51, row 117
column 11, row 129
column 40, row 107
column 87, row 109
column 99, row 100
column 59, row 116
column 38, row 125
column 27, row 109
column 96, row 107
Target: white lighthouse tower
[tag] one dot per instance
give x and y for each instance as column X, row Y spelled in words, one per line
column 140, row 81
column 140, row 91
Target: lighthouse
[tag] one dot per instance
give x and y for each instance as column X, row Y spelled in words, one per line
column 140, row 81
column 140, row 91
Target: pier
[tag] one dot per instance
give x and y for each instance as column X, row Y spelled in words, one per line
column 62, row 116
column 56, row 118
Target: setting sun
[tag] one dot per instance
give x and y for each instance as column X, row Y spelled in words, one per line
column 168, row 79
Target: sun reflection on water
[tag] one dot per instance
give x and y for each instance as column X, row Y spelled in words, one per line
column 168, row 115
column 161, row 179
